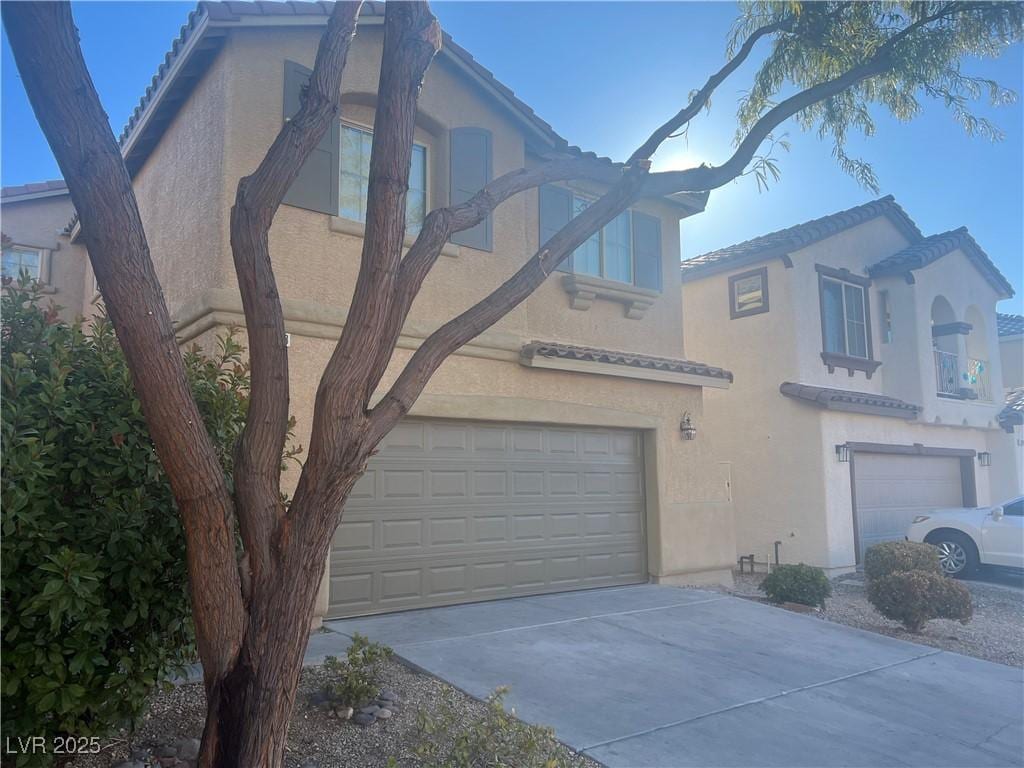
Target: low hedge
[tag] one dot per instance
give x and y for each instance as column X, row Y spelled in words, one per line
column 915, row 597
column 803, row 584
column 897, row 556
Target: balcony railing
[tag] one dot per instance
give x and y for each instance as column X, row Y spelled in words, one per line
column 977, row 378
column 947, row 373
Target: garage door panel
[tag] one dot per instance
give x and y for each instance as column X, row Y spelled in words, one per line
column 892, row 489
column 453, row 512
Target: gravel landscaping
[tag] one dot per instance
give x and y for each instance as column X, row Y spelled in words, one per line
column 316, row 739
column 995, row 633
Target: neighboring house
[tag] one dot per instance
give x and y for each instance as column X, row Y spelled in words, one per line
column 1011, row 352
column 545, row 455
column 868, row 379
column 33, row 218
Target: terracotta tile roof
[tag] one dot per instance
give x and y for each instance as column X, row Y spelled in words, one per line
column 850, row 401
column 1013, row 413
column 34, row 188
column 1009, row 325
column 933, row 248
column 596, row 355
column 785, row 241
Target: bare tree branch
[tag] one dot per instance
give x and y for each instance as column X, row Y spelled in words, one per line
column 45, row 44
column 482, row 315
column 700, row 99
column 258, row 461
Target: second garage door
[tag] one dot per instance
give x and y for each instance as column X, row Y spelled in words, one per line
column 452, row 512
column 892, row 489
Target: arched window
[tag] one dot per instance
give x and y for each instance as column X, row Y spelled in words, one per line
column 944, row 342
column 976, row 374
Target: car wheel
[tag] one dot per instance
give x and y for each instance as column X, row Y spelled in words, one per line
column 957, row 554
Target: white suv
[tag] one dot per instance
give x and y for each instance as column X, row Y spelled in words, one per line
column 967, row 538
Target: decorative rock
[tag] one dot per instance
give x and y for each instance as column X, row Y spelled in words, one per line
column 388, row 695
column 319, row 698
column 130, row 764
column 188, row 749
column 364, row 719
column 309, row 762
column 369, row 710
column 165, row 750
column 383, row 714
column 345, row 713
column 140, row 754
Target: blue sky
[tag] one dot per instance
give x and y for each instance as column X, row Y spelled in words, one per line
column 604, row 75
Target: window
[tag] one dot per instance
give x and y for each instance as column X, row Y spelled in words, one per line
column 1014, row 508
column 355, row 175
column 608, row 253
column 845, row 320
column 17, row 258
column 883, row 300
column 748, row 293
column 843, row 313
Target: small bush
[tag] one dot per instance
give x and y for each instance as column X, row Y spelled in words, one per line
column 801, row 583
column 495, row 739
column 897, row 556
column 356, row 679
column 915, row 597
column 95, row 601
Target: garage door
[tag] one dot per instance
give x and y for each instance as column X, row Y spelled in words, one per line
column 452, row 512
column 891, row 489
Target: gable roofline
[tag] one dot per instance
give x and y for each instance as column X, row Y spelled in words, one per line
column 204, row 33
column 781, row 243
column 1009, row 325
column 934, row 247
column 33, row 191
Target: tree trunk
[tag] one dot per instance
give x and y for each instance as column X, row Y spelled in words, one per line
column 249, row 709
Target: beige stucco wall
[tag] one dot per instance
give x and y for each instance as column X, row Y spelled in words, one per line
column 787, row 484
column 38, row 223
column 1011, row 355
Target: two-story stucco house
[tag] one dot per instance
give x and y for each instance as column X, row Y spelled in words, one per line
column 868, row 379
column 33, row 218
column 547, row 454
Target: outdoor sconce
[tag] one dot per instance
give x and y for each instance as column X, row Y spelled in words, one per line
column 686, row 427
column 843, row 453
column 985, row 459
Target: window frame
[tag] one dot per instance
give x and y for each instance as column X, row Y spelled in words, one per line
column 834, row 360
column 42, row 253
column 600, row 244
column 734, row 312
column 346, row 123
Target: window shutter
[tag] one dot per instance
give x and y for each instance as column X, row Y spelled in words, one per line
column 647, row 251
column 471, row 172
column 555, row 213
column 316, row 187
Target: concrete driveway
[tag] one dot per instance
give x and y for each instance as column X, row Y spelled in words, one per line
column 660, row 676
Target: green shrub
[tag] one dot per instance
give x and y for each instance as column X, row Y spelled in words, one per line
column 447, row 738
column 804, row 584
column 95, row 608
column 895, row 556
column 356, row 680
column 915, row 597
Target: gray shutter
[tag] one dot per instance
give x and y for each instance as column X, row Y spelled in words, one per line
column 316, row 187
column 555, row 213
column 471, row 172
column 647, row 251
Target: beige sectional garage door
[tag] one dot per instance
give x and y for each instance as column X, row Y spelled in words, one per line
column 452, row 512
column 892, row 489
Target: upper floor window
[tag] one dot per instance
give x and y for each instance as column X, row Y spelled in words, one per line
column 608, row 253
column 846, row 331
column 18, row 258
column 748, row 293
column 845, row 320
column 355, row 178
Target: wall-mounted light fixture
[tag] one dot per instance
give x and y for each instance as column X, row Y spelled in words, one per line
column 985, row 459
column 843, row 453
column 686, row 427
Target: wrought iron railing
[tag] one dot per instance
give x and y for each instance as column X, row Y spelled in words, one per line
column 977, row 378
column 947, row 373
